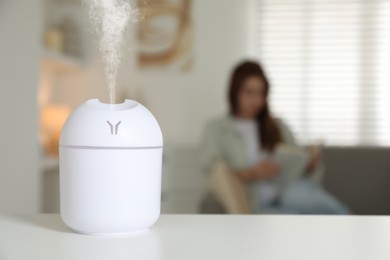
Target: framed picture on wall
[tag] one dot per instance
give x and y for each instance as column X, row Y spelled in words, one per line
column 165, row 35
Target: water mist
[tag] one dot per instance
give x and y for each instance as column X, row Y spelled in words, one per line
column 109, row 19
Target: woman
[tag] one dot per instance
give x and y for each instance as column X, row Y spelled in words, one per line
column 247, row 137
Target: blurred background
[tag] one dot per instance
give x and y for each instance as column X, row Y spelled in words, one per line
column 328, row 62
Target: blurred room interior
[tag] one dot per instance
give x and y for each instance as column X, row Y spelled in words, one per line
column 328, row 63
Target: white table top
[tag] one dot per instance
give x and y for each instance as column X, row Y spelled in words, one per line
column 203, row 237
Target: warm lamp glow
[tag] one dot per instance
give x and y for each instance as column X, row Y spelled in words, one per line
column 52, row 118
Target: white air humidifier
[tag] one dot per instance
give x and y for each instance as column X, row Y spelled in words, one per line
column 110, row 168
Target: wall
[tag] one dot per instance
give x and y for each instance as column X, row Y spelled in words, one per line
column 183, row 102
column 20, row 24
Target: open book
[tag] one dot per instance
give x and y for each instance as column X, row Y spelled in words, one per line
column 292, row 161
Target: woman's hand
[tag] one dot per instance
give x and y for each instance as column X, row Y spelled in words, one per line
column 263, row 170
column 266, row 169
column 314, row 161
column 315, row 158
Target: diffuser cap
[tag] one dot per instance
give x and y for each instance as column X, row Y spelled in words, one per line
column 125, row 125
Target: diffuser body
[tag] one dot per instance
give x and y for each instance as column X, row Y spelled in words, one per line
column 110, row 168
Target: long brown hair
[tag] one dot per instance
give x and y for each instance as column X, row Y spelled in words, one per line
column 268, row 130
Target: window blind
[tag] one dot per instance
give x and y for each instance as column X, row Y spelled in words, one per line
column 329, row 64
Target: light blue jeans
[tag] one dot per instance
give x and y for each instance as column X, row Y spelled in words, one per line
column 305, row 197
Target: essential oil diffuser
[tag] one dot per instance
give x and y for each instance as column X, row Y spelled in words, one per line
column 110, row 168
